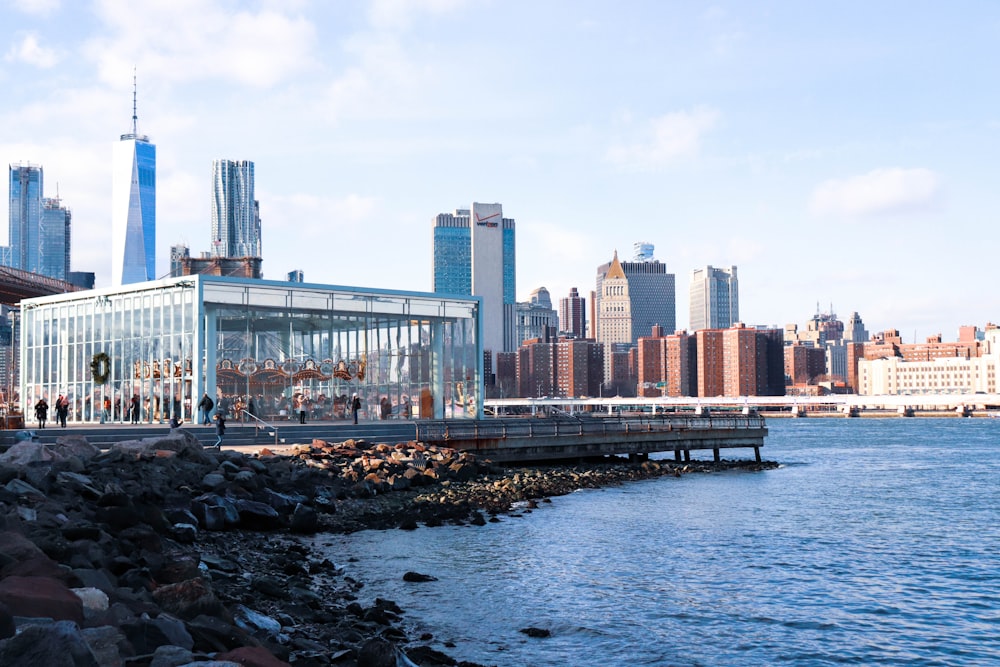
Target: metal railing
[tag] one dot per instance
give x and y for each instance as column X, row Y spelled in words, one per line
column 499, row 428
column 258, row 422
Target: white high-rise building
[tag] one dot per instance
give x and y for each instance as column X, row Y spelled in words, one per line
column 235, row 212
column 133, row 207
column 474, row 254
column 715, row 298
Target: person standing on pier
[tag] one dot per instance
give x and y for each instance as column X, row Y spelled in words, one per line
column 41, row 412
column 220, row 428
column 355, row 406
column 62, row 410
column 205, row 405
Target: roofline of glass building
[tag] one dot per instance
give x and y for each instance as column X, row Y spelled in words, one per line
column 149, row 351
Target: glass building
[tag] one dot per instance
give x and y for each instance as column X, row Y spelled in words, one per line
column 715, row 298
column 480, row 259
column 39, row 227
column 235, row 212
column 163, row 344
column 133, row 207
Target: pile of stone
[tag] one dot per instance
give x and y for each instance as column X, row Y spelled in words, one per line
column 159, row 553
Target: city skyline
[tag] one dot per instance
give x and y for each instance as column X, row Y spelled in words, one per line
column 829, row 158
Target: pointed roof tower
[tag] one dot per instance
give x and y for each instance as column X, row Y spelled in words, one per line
column 615, row 270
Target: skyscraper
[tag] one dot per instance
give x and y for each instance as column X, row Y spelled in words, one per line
column 614, row 320
column 651, row 290
column 572, row 315
column 715, row 301
column 235, row 212
column 133, row 206
column 39, row 227
column 478, row 259
column 54, row 249
column 25, row 214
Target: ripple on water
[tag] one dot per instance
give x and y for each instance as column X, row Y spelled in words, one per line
column 873, row 543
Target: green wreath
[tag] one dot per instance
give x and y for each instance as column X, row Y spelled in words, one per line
column 100, row 367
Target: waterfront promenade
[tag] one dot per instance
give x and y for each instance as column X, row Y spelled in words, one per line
column 771, row 406
column 507, row 440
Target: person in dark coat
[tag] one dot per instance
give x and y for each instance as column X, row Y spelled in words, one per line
column 355, row 406
column 62, row 410
column 220, row 428
column 41, row 412
column 205, row 405
column 136, row 406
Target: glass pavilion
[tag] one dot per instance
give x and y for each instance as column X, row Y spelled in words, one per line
column 163, row 344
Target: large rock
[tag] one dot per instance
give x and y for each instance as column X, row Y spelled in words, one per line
column 52, row 645
column 148, row 634
column 304, row 520
column 188, row 599
column 252, row 656
column 179, row 441
column 76, row 445
column 41, row 597
column 26, row 453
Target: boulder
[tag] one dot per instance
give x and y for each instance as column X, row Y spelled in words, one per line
column 252, row 656
column 40, row 597
column 188, row 599
column 27, row 452
column 304, row 520
column 53, row 645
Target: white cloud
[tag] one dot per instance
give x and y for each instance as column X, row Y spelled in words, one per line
column 327, row 237
column 29, row 51
column 399, row 13
column 192, row 40
column 35, row 7
column 884, row 191
column 665, row 139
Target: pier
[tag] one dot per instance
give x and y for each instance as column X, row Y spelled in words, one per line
column 512, row 440
column 504, row 440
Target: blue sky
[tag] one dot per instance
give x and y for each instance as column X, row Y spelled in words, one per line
column 838, row 153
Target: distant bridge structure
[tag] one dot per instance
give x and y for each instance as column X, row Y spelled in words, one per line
column 16, row 284
column 847, row 404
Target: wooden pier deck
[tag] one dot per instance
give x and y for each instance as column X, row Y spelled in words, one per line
column 509, row 440
column 504, row 440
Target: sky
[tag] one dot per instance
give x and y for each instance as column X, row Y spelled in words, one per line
column 841, row 155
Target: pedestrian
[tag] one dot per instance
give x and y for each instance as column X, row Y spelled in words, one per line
column 205, row 405
column 220, row 428
column 136, row 406
column 41, row 412
column 62, row 410
column 355, row 406
column 385, row 406
column 406, row 407
column 251, row 407
column 299, row 405
column 106, row 409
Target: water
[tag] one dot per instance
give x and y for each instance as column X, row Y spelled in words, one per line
column 875, row 543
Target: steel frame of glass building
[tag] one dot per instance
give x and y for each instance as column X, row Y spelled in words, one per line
column 283, row 344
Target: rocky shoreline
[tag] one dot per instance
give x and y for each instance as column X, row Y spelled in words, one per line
column 162, row 553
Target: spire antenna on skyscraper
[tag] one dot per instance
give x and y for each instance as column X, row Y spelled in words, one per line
column 135, row 116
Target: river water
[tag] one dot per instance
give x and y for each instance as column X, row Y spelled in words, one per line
column 875, row 543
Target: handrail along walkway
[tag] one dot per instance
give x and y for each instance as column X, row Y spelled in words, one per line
column 257, row 422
